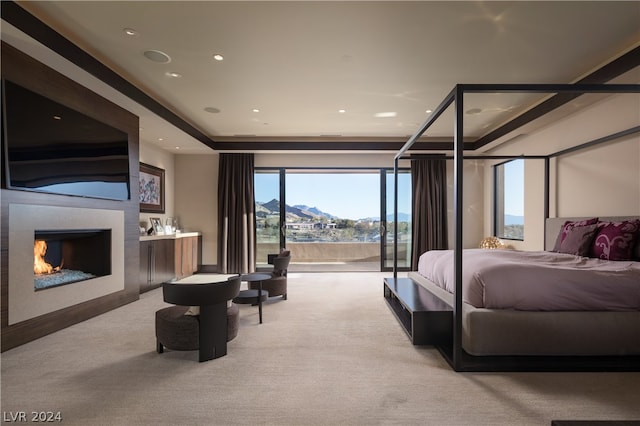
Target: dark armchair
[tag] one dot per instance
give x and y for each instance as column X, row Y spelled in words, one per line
column 207, row 330
column 277, row 284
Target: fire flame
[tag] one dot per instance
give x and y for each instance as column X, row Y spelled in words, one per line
column 39, row 264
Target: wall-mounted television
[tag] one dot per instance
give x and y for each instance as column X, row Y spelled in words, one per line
column 49, row 147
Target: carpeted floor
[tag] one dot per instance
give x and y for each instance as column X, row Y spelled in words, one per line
column 333, row 354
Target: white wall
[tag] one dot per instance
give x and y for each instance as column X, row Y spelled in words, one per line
column 196, row 200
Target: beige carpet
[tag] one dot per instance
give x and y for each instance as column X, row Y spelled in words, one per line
column 332, row 354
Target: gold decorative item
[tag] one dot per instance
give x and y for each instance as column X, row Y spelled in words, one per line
column 491, row 243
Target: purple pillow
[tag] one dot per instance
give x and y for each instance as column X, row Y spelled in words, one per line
column 578, row 240
column 570, row 225
column 616, row 240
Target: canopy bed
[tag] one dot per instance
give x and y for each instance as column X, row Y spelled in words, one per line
column 593, row 324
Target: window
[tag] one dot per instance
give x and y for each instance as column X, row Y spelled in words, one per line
column 509, row 200
column 333, row 219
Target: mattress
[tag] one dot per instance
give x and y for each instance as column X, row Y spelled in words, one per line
column 536, row 280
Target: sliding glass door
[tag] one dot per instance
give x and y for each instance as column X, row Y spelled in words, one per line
column 403, row 221
column 331, row 220
column 268, row 194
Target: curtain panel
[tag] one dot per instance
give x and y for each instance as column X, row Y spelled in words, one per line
column 236, row 214
column 429, row 209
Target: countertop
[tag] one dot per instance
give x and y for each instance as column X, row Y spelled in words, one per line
column 169, row 236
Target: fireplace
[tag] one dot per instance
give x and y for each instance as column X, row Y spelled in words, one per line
column 68, row 256
column 88, row 241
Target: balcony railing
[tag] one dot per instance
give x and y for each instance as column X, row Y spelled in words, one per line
column 331, row 256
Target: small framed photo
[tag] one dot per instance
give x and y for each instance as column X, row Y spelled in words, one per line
column 151, row 189
column 157, row 225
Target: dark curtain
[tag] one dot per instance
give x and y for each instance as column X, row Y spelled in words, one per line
column 236, row 214
column 429, row 210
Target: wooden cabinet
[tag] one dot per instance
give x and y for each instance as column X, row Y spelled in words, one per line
column 188, row 256
column 166, row 259
column 156, row 263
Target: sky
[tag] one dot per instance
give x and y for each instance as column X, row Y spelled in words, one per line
column 514, row 187
column 357, row 195
column 346, row 195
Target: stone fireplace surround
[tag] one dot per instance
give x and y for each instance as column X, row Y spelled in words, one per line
column 24, row 219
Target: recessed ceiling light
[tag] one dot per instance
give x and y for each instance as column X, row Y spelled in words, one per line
column 212, row 110
column 160, row 139
column 130, row 32
column 428, row 111
column 385, row 114
column 218, row 57
column 157, row 56
column 174, row 74
column 255, row 110
column 474, row 111
column 342, row 111
column 177, row 147
column 57, row 117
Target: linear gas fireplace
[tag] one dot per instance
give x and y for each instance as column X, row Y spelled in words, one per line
column 63, row 257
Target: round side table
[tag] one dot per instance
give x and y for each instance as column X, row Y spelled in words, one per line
column 253, row 296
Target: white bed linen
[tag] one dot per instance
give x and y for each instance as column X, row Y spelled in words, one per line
column 537, row 280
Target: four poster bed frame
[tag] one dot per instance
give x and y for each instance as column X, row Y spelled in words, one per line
column 452, row 346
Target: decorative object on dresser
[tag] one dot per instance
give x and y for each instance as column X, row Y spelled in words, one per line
column 156, row 225
column 491, row 243
column 208, row 330
column 151, row 184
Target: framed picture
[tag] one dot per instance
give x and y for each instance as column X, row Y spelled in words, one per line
column 157, row 225
column 151, row 189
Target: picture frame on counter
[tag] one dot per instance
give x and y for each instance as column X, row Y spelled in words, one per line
column 156, row 224
column 151, row 186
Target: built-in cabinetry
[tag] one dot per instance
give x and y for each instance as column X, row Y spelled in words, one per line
column 187, row 256
column 168, row 257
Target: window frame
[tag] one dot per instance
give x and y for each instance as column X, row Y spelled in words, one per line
column 499, row 198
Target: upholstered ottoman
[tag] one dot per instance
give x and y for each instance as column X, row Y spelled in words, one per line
column 177, row 331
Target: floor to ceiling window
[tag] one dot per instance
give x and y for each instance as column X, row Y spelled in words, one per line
column 404, row 220
column 331, row 220
column 509, row 200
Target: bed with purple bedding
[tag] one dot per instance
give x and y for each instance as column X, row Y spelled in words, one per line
column 544, row 302
column 537, row 280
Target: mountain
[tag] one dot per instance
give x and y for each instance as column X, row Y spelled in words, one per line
column 314, row 211
column 304, row 212
column 300, row 212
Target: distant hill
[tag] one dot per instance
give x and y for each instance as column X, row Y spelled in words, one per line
column 298, row 212
column 313, row 210
column 303, row 212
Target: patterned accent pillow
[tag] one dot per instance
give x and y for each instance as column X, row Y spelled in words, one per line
column 616, row 240
column 570, row 225
column 579, row 240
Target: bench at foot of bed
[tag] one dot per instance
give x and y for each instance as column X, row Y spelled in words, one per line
column 426, row 319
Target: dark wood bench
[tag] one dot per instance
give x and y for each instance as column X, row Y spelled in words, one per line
column 426, row 319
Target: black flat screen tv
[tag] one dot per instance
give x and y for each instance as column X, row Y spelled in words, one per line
column 48, row 147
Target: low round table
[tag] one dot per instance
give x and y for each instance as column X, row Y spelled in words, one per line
column 253, row 296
